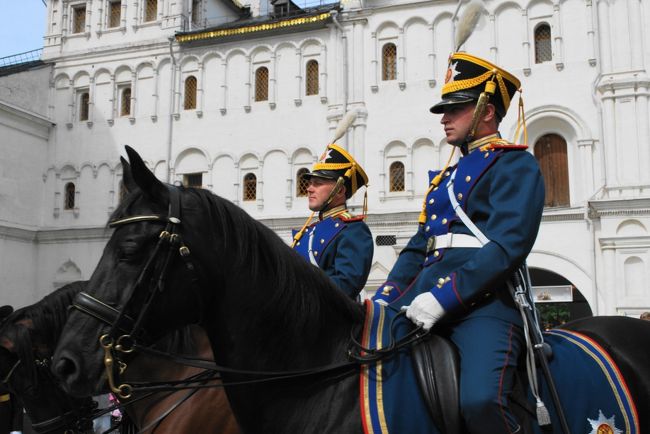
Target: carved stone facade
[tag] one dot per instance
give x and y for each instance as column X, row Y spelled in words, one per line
column 181, row 89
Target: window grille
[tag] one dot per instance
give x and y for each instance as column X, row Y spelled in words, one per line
column 386, row 240
column 125, row 102
column 78, row 19
column 311, row 83
column 389, row 62
column 190, row 93
column 69, row 196
column 193, row 180
column 261, row 84
column 301, row 183
column 250, row 187
column 84, row 102
column 151, row 10
column 396, row 176
column 543, row 49
column 114, row 13
column 551, row 154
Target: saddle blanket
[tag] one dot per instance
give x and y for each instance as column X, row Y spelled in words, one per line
column 592, row 390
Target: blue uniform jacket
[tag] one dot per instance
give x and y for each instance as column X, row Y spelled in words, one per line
column 502, row 191
column 342, row 247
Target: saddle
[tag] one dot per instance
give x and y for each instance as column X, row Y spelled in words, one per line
column 437, row 368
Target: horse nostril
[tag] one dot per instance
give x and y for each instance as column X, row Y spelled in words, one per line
column 65, row 367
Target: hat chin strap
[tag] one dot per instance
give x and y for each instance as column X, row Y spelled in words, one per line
column 481, row 104
column 334, row 192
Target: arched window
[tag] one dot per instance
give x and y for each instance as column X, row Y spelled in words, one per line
column 396, row 176
column 261, row 84
column 551, row 153
column 389, row 61
column 79, row 18
column 151, row 10
column 543, row 48
column 250, row 187
column 301, row 183
column 125, row 102
column 190, row 93
column 114, row 13
column 68, row 200
column 84, row 102
column 311, row 84
column 196, row 12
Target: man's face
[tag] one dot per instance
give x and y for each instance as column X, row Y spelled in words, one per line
column 457, row 120
column 318, row 191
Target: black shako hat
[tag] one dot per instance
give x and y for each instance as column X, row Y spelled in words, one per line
column 336, row 162
column 468, row 76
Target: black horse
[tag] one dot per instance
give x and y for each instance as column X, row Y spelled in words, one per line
column 264, row 308
column 28, row 338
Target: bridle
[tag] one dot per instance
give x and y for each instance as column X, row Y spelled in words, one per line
column 153, row 277
column 124, row 330
column 77, row 419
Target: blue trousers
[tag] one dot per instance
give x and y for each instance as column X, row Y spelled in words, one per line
column 489, row 350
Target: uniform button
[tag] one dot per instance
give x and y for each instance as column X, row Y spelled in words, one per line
column 487, row 295
column 441, row 281
column 433, row 216
column 473, row 304
column 436, row 253
column 444, row 221
column 426, row 258
column 468, row 178
column 315, row 253
column 298, row 243
column 426, row 229
column 435, row 188
column 486, row 155
column 460, row 196
column 336, row 225
column 431, row 201
column 447, row 173
column 322, row 241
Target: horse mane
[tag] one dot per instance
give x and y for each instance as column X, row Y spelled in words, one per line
column 248, row 246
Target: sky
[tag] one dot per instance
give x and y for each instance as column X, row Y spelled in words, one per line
column 22, row 26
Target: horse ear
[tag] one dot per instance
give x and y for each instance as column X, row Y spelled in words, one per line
column 144, row 178
column 5, row 311
column 127, row 178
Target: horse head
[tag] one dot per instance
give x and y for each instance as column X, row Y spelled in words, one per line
column 179, row 256
column 25, row 354
column 146, row 255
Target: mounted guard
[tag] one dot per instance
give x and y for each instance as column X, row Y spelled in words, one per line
column 339, row 243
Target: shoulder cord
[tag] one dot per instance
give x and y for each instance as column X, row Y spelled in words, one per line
column 520, row 298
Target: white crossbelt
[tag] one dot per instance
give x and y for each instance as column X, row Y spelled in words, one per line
column 451, row 240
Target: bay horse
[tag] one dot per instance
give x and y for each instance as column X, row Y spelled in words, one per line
column 27, row 341
column 182, row 255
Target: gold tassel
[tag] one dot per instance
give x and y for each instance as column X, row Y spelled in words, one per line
column 483, row 99
column 521, row 121
column 434, row 183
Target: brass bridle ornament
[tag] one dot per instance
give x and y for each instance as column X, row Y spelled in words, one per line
column 124, row 330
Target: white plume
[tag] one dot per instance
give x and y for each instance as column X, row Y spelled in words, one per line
column 468, row 21
column 344, row 124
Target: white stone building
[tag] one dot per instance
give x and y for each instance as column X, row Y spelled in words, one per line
column 239, row 99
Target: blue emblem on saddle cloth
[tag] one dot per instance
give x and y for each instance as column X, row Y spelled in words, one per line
column 317, row 237
column 390, row 396
column 591, row 388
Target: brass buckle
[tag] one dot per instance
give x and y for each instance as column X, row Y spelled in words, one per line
column 123, row 391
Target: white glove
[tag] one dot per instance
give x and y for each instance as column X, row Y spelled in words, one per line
column 425, row 310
